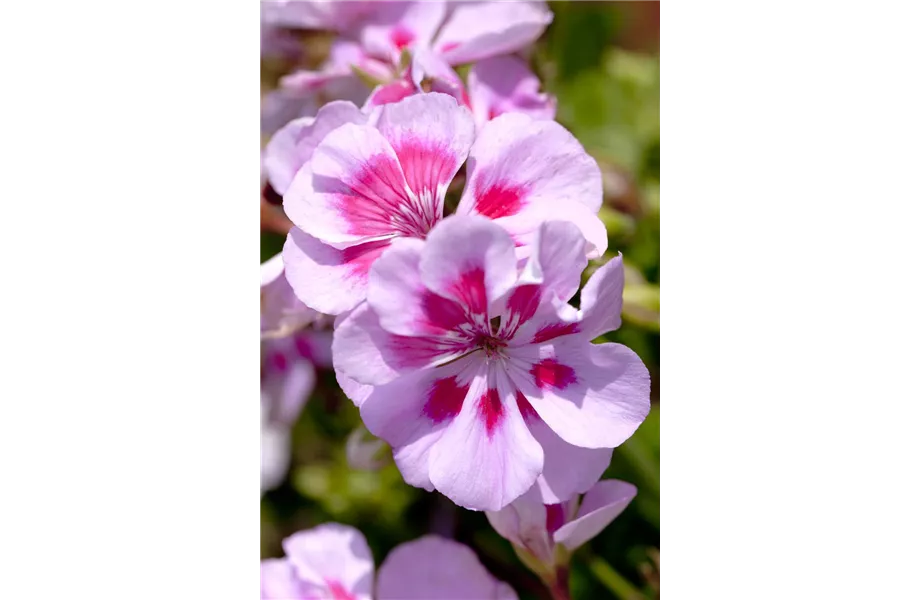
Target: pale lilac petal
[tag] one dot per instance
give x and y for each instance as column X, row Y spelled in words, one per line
column 411, row 413
column 353, row 190
column 398, row 25
column 400, row 299
column 431, row 568
column 522, row 172
column 327, row 279
column 505, row 84
column 388, row 93
column 287, row 381
column 293, row 144
column 591, row 395
column 477, row 30
column 279, row 42
column 315, row 345
column 567, row 470
column 552, row 272
column 279, row 582
column 431, row 134
column 601, row 505
column 275, row 453
column 370, row 355
column 356, row 392
column 523, row 523
column 279, row 107
column 602, row 299
column 486, row 457
column 429, row 71
column 322, row 14
column 282, row 312
column 471, row 261
column 332, row 554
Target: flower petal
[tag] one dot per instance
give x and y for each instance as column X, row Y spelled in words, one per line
column 602, row 504
column 433, row 567
column 602, row 299
column 523, row 172
column 477, row 30
column 591, row 395
column 411, row 413
column 523, row 523
column 402, row 302
column 282, row 312
column 327, row 279
column 332, row 554
column 282, row 106
column 293, row 144
column 505, row 84
column 397, row 25
column 287, row 380
column 431, row 135
column 352, row 190
column 365, row 352
column 275, row 453
column 486, row 457
column 280, row 582
column 552, row 273
column 471, row 261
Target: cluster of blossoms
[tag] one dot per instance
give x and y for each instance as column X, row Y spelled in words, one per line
column 452, row 334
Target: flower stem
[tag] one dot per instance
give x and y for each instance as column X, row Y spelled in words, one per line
column 612, row 580
column 558, row 584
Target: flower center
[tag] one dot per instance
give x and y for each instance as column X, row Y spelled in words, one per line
column 491, row 345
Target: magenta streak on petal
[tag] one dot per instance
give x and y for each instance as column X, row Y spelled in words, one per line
column 445, row 398
column 393, row 92
column 426, row 166
column 470, row 289
column 491, row 410
column 338, row 591
column 440, row 313
column 555, row 517
column 551, row 373
column 413, row 352
column 401, row 37
column 302, row 344
column 527, row 411
column 373, row 202
column 498, row 200
column 522, row 305
column 553, row 331
column 278, row 362
column 360, row 258
column 445, row 48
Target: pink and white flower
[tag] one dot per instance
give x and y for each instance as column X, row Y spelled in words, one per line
column 480, row 375
column 366, row 185
column 496, row 85
column 334, row 562
column 539, row 529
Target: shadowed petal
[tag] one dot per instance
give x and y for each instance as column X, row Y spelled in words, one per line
column 477, row 30
column 602, row 504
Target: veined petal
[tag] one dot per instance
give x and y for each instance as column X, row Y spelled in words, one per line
column 434, row 567
column 523, row 172
column 327, row 279
column 590, row 395
column 476, row 30
column 353, row 190
column 602, row 504
column 486, row 457
column 293, row 144
column 411, row 412
column 431, row 135
column 471, row 261
column 365, row 352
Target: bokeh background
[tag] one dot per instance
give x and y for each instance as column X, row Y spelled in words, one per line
column 601, row 61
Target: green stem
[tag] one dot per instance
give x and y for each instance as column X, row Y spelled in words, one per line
column 559, row 586
column 612, row 580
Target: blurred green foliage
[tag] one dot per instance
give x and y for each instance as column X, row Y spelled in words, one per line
column 608, row 98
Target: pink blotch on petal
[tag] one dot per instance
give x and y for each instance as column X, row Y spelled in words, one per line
column 491, row 410
column 553, row 331
column 441, row 313
column 550, row 373
column 524, row 302
column 360, row 258
column 374, row 194
column 527, row 411
column 393, row 92
column 278, row 362
column 555, row 517
column 338, row 591
column 401, row 37
column 499, row 200
column 445, row 398
column 470, row 288
column 445, row 48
